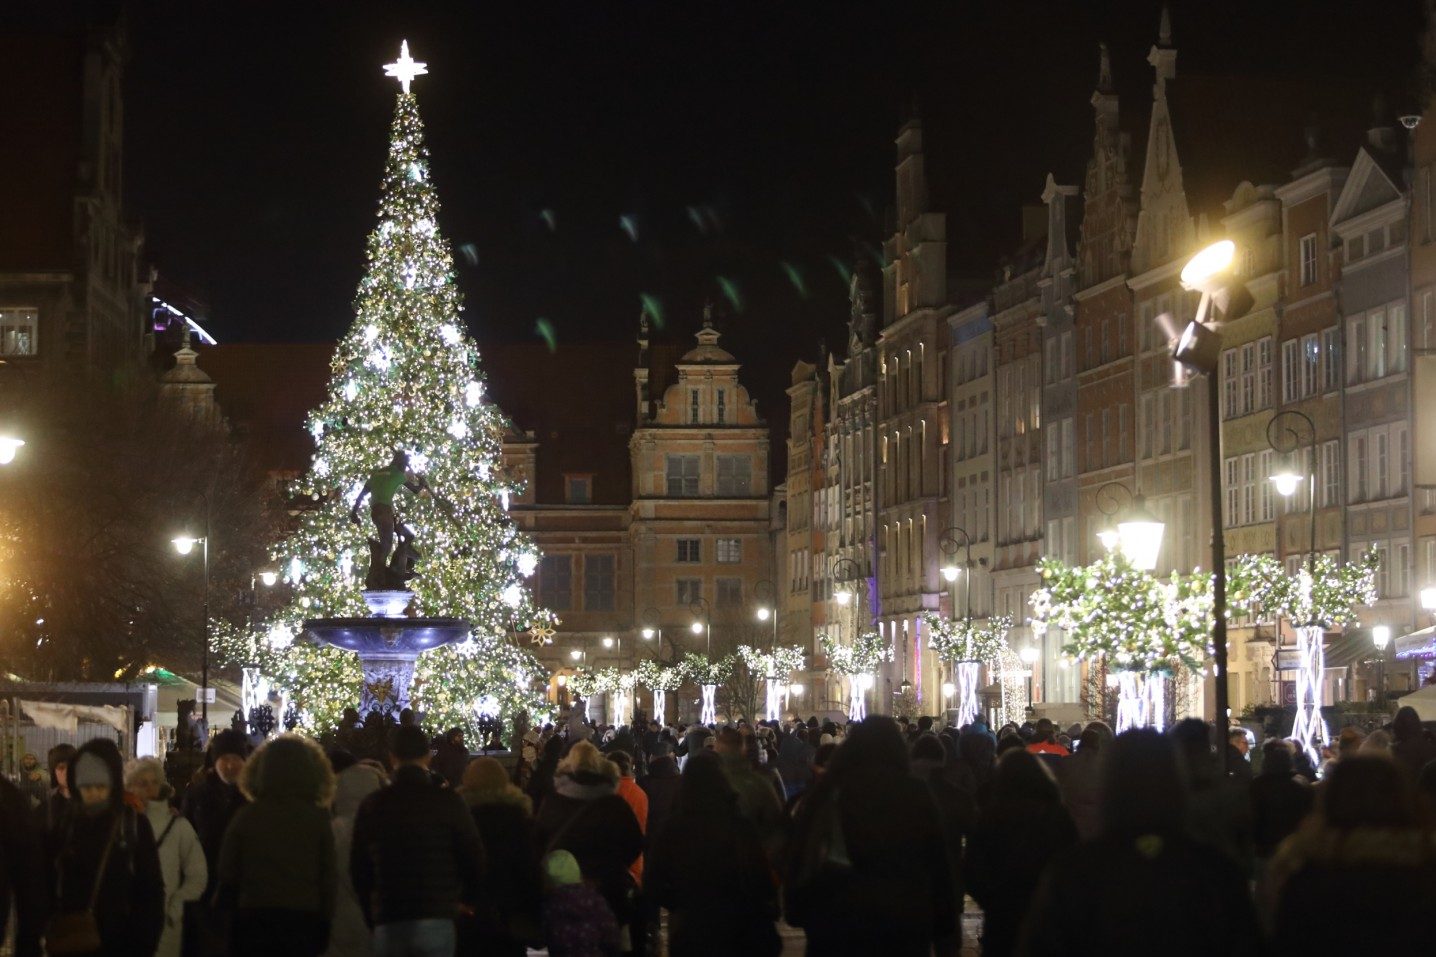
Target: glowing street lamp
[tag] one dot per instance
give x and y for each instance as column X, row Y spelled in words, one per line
column 1381, row 636
column 696, row 627
column 9, row 445
column 268, row 577
column 1428, row 598
column 184, row 544
column 1286, row 483
column 648, row 633
column 950, row 573
column 843, row 596
column 1139, row 534
column 763, row 613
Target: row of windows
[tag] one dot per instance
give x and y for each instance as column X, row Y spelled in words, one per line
column 696, row 411
column 1246, row 378
column 1376, row 343
column 1310, row 365
column 1376, row 240
column 1378, row 463
column 728, row 592
column 734, row 479
column 728, row 551
column 1249, row 492
column 555, row 582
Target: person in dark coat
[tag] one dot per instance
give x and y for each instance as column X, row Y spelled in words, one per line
column 868, row 869
column 212, row 802
column 1369, row 848
column 451, row 756
column 709, row 870
column 1218, row 807
column 129, row 905
column 661, row 784
column 1080, row 778
column 22, row 871
column 1279, row 800
column 209, row 805
column 1414, row 747
column 506, row 916
column 51, row 812
column 416, row 856
column 977, row 751
column 952, row 792
column 795, row 759
column 1143, row 885
column 1016, row 835
column 277, row 865
column 541, row 781
column 586, row 817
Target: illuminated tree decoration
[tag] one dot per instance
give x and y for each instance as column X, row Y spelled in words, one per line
column 1135, row 622
column 857, row 662
column 1260, row 587
column 407, row 376
column 708, row 675
column 775, row 666
column 659, row 679
column 967, row 646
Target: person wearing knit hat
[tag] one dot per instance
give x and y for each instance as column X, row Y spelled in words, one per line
column 577, row 920
column 107, row 862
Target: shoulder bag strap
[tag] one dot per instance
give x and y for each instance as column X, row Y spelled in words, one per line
column 166, row 832
column 104, row 863
column 553, row 841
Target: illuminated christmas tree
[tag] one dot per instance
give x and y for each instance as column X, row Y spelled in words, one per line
column 407, row 378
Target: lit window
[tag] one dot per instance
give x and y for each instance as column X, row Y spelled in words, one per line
column 19, row 331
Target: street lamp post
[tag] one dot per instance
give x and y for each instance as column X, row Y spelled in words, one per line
column 1381, row 637
column 700, row 607
column 1199, row 348
column 1284, row 435
column 767, row 595
column 184, row 544
column 1029, row 658
column 949, row 542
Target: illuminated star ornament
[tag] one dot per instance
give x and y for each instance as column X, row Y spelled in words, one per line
column 406, row 67
column 541, row 634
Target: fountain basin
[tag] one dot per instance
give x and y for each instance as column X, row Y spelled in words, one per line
column 387, row 649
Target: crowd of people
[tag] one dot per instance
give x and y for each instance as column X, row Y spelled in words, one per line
column 871, row 838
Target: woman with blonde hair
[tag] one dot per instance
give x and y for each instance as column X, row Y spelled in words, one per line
column 277, row 865
column 182, row 863
column 586, row 817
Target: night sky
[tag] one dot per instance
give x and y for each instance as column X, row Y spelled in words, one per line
column 734, row 137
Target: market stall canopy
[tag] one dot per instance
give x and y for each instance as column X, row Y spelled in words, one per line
column 1424, row 701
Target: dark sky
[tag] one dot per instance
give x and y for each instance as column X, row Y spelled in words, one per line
column 257, row 134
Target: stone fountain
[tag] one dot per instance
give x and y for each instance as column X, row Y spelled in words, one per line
column 387, row 643
column 390, row 639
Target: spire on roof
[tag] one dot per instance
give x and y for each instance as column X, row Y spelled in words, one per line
column 1164, row 27
column 1104, row 68
column 1163, row 56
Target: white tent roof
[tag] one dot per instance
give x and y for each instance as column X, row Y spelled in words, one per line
column 1424, row 701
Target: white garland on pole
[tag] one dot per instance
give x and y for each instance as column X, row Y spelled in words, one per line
column 1308, row 728
column 967, row 647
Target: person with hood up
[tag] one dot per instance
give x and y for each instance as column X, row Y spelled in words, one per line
column 107, row 866
column 586, row 817
column 1369, row 848
column 709, row 870
column 868, row 866
column 1414, row 747
column 51, row 812
column 506, row 917
column 1017, row 834
column 182, row 862
column 541, row 781
column 277, row 866
column 1142, row 886
column 349, row 936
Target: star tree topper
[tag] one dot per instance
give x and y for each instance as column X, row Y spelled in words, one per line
column 406, row 67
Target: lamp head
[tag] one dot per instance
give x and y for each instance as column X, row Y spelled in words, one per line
column 1381, row 636
column 843, row 595
column 647, row 634
column 764, row 612
column 1208, row 269
column 1028, row 655
column 948, row 689
column 185, row 544
column 1139, row 534
column 795, row 690
column 1428, row 598
column 696, row 627
column 1286, row 483
column 607, row 641
column 1107, row 537
column 950, row 572
column 575, row 654
column 268, row 577
column 9, row 445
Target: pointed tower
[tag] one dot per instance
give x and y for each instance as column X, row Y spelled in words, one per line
column 640, row 370
column 189, row 386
